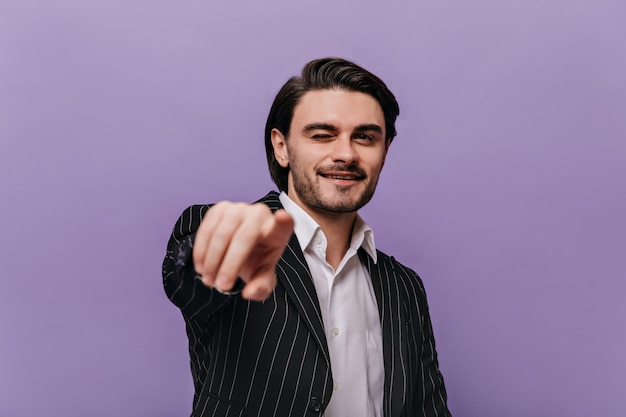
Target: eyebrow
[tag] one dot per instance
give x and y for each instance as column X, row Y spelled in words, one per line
column 369, row 128
column 325, row 126
column 319, row 126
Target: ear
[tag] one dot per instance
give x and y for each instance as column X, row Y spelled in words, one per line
column 279, row 142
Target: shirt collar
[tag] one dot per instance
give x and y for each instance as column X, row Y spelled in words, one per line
column 305, row 228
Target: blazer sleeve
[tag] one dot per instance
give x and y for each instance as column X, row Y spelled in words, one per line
column 187, row 292
column 430, row 397
column 433, row 390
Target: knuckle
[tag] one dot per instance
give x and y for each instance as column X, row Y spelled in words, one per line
column 221, row 205
column 260, row 209
column 221, row 235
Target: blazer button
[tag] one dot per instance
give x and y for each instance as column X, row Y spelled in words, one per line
column 315, row 405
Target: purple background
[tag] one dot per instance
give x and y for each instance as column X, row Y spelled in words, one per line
column 504, row 188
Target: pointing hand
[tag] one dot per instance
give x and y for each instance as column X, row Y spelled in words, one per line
column 241, row 240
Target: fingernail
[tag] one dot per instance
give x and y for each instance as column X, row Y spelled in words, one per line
column 221, row 282
column 207, row 279
column 261, row 294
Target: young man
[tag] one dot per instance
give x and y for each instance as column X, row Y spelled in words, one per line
column 290, row 310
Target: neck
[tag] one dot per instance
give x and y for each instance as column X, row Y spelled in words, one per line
column 337, row 228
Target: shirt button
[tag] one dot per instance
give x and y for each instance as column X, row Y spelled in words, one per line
column 335, row 331
column 315, row 405
column 335, row 386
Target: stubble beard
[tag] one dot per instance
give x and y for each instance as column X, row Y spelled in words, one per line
column 310, row 193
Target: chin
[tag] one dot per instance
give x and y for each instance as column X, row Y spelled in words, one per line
column 341, row 204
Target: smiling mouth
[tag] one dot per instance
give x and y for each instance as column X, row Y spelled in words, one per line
column 342, row 173
column 347, row 177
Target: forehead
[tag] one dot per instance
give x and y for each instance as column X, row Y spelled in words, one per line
column 342, row 108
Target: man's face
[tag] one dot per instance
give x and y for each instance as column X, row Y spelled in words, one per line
column 335, row 150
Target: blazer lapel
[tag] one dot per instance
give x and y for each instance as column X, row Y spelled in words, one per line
column 392, row 325
column 293, row 273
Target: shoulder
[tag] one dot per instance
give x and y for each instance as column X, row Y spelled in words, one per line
column 271, row 200
column 189, row 220
column 411, row 290
column 407, row 276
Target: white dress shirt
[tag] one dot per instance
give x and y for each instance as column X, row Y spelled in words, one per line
column 350, row 315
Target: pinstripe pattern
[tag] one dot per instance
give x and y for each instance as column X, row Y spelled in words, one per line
column 271, row 358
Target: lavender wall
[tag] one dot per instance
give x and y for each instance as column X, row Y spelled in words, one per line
column 504, row 188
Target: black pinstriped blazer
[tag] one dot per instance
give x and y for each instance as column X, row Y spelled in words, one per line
column 271, row 358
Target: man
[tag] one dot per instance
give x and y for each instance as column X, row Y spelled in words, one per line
column 289, row 308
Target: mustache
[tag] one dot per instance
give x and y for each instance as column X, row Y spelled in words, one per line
column 336, row 168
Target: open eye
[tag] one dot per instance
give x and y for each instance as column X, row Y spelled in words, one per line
column 364, row 137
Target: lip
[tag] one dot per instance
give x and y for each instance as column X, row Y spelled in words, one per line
column 342, row 178
column 342, row 175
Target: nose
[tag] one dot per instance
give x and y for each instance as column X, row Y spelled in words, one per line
column 344, row 150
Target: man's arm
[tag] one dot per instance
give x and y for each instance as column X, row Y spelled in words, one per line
column 432, row 390
column 428, row 388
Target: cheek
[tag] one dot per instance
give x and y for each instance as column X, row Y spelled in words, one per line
column 375, row 161
column 307, row 160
